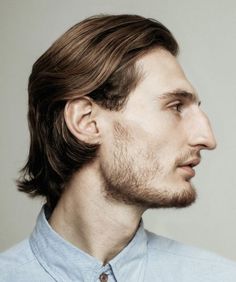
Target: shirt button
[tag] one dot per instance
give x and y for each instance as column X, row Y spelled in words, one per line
column 103, row 277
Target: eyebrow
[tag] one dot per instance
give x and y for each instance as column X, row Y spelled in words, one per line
column 178, row 93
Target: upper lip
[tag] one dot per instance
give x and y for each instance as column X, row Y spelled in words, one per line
column 192, row 163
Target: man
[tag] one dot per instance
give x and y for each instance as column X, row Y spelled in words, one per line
column 116, row 128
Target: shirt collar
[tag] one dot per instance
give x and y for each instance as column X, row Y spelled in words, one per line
column 64, row 261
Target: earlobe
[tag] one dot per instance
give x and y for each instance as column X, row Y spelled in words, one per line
column 80, row 118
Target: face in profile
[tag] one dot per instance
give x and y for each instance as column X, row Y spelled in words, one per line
column 156, row 140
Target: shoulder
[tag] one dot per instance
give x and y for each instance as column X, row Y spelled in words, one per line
column 175, row 248
column 19, row 264
column 190, row 261
column 17, row 255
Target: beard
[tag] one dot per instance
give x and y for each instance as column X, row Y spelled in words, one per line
column 136, row 177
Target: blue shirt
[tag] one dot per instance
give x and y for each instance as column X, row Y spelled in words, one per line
column 45, row 257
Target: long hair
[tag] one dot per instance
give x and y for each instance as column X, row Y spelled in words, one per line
column 95, row 57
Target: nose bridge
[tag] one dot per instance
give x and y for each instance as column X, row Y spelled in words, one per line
column 202, row 134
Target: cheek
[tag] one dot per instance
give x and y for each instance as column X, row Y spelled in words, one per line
column 161, row 141
column 160, row 137
column 158, row 147
column 161, row 127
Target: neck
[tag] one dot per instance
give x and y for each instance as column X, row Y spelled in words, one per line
column 85, row 217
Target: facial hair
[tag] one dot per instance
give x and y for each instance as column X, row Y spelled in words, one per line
column 127, row 180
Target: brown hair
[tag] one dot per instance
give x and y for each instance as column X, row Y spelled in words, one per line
column 96, row 58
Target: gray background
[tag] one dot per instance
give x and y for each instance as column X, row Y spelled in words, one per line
column 207, row 36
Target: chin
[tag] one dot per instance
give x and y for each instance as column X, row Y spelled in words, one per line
column 179, row 195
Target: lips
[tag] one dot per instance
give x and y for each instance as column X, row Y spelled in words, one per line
column 188, row 170
column 187, row 167
column 191, row 163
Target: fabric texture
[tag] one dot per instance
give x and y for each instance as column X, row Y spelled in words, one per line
column 45, row 256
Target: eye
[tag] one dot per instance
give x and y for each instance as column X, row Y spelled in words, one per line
column 178, row 107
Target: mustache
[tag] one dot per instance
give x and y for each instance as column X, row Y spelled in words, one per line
column 186, row 156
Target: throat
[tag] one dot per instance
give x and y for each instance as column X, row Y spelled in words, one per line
column 101, row 235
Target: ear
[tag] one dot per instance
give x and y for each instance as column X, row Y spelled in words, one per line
column 80, row 118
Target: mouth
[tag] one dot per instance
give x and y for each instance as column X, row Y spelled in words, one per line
column 187, row 167
column 188, row 171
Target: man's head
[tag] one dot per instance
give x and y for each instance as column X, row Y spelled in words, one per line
column 94, row 95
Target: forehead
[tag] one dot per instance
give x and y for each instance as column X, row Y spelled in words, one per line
column 161, row 73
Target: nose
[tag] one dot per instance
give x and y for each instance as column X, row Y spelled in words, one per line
column 201, row 132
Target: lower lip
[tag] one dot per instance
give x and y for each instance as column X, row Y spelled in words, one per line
column 188, row 170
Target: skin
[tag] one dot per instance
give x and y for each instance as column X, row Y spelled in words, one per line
column 142, row 162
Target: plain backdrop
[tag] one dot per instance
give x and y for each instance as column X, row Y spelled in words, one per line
column 206, row 33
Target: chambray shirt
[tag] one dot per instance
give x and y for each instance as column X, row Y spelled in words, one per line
column 47, row 257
